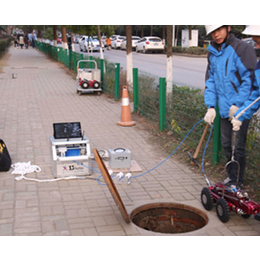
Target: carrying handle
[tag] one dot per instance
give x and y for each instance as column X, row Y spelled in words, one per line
column 82, row 61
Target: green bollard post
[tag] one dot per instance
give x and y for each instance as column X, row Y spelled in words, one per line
column 162, row 103
column 135, row 89
column 102, row 71
column 117, row 81
column 216, row 139
column 91, row 64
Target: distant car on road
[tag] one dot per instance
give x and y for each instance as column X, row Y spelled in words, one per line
column 135, row 39
column 94, row 45
column 150, row 44
column 84, row 43
column 59, row 40
column 116, row 42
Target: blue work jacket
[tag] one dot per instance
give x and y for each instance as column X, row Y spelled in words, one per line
column 247, row 110
column 229, row 74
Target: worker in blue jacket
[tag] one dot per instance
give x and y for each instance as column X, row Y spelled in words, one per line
column 229, row 75
column 246, row 111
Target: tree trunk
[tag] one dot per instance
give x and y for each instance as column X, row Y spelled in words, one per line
column 129, row 58
column 169, row 58
column 55, row 35
column 64, row 38
column 100, row 43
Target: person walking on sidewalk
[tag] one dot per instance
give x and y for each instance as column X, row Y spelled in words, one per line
column 254, row 31
column 229, row 75
column 26, row 40
column 21, row 40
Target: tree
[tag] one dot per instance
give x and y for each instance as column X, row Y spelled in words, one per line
column 169, row 58
column 100, row 43
column 129, row 58
column 55, row 35
column 64, row 38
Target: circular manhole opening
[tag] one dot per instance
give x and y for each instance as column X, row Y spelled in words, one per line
column 169, row 218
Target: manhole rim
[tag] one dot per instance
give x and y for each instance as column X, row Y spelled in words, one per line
column 182, row 206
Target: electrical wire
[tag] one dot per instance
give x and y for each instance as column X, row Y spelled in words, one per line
column 170, row 154
column 203, row 156
column 140, row 175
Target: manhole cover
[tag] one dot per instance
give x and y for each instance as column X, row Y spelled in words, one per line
column 156, row 217
column 169, row 218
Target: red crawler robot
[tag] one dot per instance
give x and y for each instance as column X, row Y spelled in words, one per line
column 228, row 199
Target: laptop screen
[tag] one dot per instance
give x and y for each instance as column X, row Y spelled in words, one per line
column 67, row 130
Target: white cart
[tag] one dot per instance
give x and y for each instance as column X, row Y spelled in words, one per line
column 88, row 80
column 69, row 155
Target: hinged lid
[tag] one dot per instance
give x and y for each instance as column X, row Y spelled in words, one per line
column 111, row 186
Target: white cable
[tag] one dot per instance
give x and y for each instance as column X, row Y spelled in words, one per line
column 24, row 168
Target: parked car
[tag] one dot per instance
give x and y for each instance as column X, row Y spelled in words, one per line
column 116, row 42
column 84, row 43
column 59, row 40
column 135, row 39
column 253, row 44
column 76, row 38
column 150, row 43
column 103, row 40
column 94, row 45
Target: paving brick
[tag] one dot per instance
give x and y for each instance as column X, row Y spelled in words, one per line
column 82, row 207
column 6, row 229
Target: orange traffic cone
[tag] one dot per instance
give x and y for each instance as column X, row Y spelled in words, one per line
column 126, row 119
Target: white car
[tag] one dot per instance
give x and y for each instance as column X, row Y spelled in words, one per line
column 84, row 43
column 116, row 42
column 94, row 45
column 150, row 43
column 135, row 39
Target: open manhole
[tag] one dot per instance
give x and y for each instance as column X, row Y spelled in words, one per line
column 157, row 217
column 168, row 218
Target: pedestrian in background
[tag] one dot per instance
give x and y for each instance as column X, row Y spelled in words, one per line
column 15, row 41
column 21, row 39
column 229, row 75
column 254, row 31
column 26, row 40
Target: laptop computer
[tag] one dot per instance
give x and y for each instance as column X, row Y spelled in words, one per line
column 67, row 130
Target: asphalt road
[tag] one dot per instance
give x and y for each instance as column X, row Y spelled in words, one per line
column 187, row 71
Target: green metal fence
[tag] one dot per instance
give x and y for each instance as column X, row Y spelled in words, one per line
column 176, row 112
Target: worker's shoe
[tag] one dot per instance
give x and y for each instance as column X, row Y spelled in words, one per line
column 257, row 216
column 226, row 181
column 241, row 186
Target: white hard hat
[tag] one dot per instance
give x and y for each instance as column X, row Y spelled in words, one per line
column 253, row 30
column 211, row 28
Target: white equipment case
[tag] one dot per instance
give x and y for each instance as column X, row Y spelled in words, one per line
column 88, row 80
column 68, row 154
column 119, row 158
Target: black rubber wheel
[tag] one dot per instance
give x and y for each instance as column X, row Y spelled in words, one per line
column 245, row 216
column 96, row 85
column 206, row 199
column 222, row 210
column 84, row 84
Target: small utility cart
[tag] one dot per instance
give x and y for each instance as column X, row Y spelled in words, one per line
column 88, row 80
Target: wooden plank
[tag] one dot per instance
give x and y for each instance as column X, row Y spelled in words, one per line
column 111, row 186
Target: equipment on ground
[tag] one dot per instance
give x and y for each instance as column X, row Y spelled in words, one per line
column 194, row 157
column 69, row 148
column 229, row 198
column 88, row 80
column 5, row 158
column 119, row 158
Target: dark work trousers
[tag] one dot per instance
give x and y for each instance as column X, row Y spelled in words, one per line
column 239, row 151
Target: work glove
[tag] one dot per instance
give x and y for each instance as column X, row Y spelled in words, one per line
column 236, row 124
column 210, row 116
column 232, row 110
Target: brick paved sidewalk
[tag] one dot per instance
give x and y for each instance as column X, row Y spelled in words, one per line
column 37, row 92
